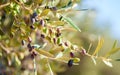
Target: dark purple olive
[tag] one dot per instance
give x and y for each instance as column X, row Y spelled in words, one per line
column 47, row 7
column 34, row 53
column 42, row 36
column 54, row 40
column 32, row 56
column 42, row 22
column 29, row 46
column 32, row 27
column 71, row 54
column 65, row 43
column 83, row 52
column 70, row 63
column 23, row 42
column 58, row 34
column 58, row 30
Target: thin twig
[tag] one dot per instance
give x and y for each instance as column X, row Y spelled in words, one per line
column 35, row 69
column 51, row 72
column 89, row 47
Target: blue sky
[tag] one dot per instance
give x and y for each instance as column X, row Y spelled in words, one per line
column 107, row 11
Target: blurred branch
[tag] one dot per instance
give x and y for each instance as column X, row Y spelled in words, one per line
column 4, row 5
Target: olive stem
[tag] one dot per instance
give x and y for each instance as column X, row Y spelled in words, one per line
column 35, row 69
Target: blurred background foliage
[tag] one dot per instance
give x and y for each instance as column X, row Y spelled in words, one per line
column 15, row 59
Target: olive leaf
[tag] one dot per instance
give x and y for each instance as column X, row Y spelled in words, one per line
column 45, row 53
column 45, row 12
column 70, row 22
column 113, row 50
column 57, row 23
column 18, row 62
column 108, row 63
column 114, row 45
column 76, row 60
column 60, row 54
column 100, row 43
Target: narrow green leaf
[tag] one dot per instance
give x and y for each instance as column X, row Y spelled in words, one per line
column 100, row 43
column 114, row 45
column 71, row 23
column 112, row 52
column 117, row 59
column 18, row 62
column 45, row 53
column 45, row 12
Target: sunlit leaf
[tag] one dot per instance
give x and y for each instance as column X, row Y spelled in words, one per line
column 57, row 23
column 100, row 43
column 37, row 46
column 18, row 62
column 108, row 63
column 93, row 59
column 71, row 23
column 45, row 53
column 60, row 54
column 45, row 12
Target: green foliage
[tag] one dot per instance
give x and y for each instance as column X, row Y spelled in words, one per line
column 31, row 36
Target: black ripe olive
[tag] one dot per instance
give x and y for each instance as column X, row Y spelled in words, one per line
column 34, row 15
column 61, row 18
column 58, row 34
column 32, row 27
column 23, row 42
column 47, row 7
column 70, row 63
column 32, row 56
column 29, row 46
column 42, row 36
